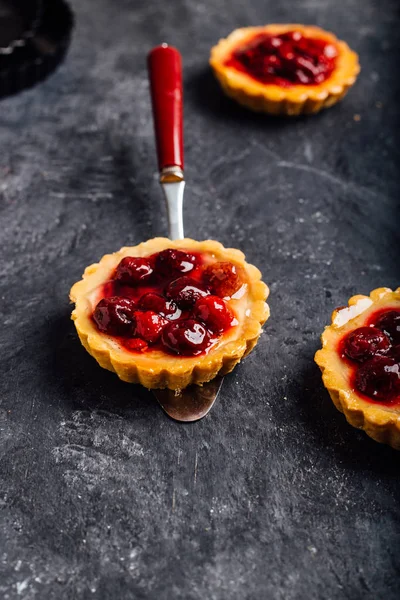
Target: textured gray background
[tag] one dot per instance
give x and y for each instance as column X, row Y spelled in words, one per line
column 273, row 495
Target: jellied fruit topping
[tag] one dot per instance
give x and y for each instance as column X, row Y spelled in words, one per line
column 379, row 378
column 286, row 59
column 363, row 343
column 174, row 301
column 375, row 349
column 115, row 315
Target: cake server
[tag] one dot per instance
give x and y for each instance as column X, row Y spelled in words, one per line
column 165, row 73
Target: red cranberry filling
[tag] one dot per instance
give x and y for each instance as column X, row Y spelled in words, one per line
column 363, row 343
column 156, row 302
column 222, row 278
column 135, row 345
column 389, row 322
column 377, row 347
column 185, row 291
column 163, row 302
column 148, row 325
column 133, row 270
column 186, row 337
column 170, row 261
column 115, row 315
column 214, row 313
column 379, row 378
column 286, row 59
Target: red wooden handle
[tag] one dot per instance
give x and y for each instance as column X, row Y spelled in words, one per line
column 165, row 72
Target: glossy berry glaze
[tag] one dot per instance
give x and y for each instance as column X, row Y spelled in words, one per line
column 173, row 301
column 286, row 59
column 373, row 351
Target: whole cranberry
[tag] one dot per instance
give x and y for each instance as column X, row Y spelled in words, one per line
column 270, row 45
column 389, row 322
column 148, row 325
column 363, row 343
column 133, row 270
column 171, row 262
column 291, row 36
column 379, row 378
column 214, row 313
column 188, row 337
column 159, row 304
column 114, row 315
column 286, row 51
column 184, row 291
column 222, row 278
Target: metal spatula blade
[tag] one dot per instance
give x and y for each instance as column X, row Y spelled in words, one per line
column 191, row 404
column 165, row 73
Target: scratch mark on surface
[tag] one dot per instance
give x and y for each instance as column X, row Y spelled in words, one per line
column 325, row 174
column 179, row 456
column 228, row 160
column 308, row 152
column 173, row 499
column 266, row 150
column 291, row 165
column 195, row 469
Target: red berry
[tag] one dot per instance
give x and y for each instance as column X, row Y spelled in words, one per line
column 269, row 45
column 379, row 378
column 186, row 337
column 133, row 270
column 306, row 65
column 159, row 304
column 115, row 315
column 185, row 291
column 304, row 48
column 108, row 289
column 255, row 59
column 272, row 61
column 363, row 343
column 286, row 51
column 214, row 313
column 222, row 278
column 389, row 322
column 275, row 42
column 172, row 262
column 148, row 325
column 135, row 345
column 291, row 36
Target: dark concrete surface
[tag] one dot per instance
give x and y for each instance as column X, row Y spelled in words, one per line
column 273, row 495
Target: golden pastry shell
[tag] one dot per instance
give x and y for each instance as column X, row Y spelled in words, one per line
column 380, row 422
column 158, row 369
column 276, row 100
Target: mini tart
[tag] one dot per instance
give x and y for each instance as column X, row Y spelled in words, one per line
column 154, row 368
column 379, row 420
column 274, row 99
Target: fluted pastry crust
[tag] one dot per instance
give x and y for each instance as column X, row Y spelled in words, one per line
column 156, row 369
column 276, row 100
column 379, row 421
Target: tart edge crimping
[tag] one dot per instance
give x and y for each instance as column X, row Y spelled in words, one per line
column 379, row 422
column 169, row 371
column 273, row 99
